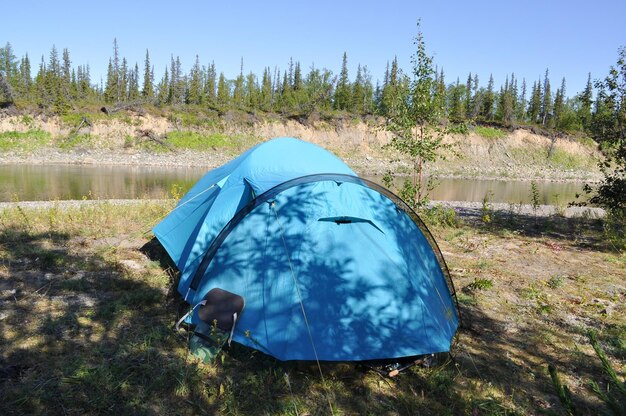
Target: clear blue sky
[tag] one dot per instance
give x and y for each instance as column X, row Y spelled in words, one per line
column 571, row 38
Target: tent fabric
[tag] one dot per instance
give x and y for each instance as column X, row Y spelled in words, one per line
column 330, row 266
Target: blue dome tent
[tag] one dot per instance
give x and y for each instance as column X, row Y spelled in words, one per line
column 332, row 267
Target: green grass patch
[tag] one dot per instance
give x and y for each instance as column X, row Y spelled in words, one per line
column 562, row 159
column 194, row 119
column 191, row 140
column 490, row 132
column 587, row 141
column 24, row 141
column 77, row 140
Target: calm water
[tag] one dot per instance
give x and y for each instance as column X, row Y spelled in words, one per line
column 36, row 183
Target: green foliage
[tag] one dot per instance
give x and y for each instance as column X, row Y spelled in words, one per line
column 614, row 224
column 206, row 142
column 609, row 128
column 566, row 160
column 534, row 198
column 480, row 284
column 613, row 396
column 77, row 140
column 555, row 281
column 565, row 396
column 441, row 216
column 24, row 142
column 487, row 208
column 489, row 132
column 459, row 128
column 414, row 123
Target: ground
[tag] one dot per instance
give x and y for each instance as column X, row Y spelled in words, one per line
column 87, row 315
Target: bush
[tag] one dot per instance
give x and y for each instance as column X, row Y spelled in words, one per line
column 438, row 215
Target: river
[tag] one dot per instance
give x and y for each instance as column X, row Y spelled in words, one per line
column 63, row 182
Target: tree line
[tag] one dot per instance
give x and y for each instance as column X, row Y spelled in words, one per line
column 58, row 86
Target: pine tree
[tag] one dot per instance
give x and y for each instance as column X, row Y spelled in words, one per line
column 468, row 97
column 546, row 101
column 195, row 90
column 488, row 101
column 133, row 83
column 223, row 92
column 456, row 106
column 266, row 91
column 238, row 90
column 163, row 89
column 440, row 91
column 534, row 106
column 559, row 105
column 25, row 83
column 8, row 67
column 147, row 92
column 210, row 85
column 368, row 104
column 252, row 92
column 342, row 91
column 123, row 81
column 586, row 100
column 297, row 77
column 521, row 103
column 110, row 90
column 116, row 73
column 358, row 93
column 391, row 88
column 477, row 98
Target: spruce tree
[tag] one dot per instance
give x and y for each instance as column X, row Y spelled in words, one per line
column 456, row 106
column 223, row 92
column 468, row 97
column 559, row 105
column 440, row 91
column 546, row 101
column 477, row 98
column 368, row 104
column 251, row 92
column 133, row 83
column 238, row 90
column 358, row 93
column 147, row 92
column 163, row 89
column 488, row 101
column 25, row 83
column 534, row 106
column 8, row 66
column 342, row 91
column 195, row 89
column 586, row 100
column 266, row 91
column 210, row 85
column 521, row 103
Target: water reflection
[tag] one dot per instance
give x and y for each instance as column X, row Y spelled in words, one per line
column 50, row 182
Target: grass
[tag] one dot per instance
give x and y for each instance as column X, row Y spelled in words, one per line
column 86, row 325
column 566, row 160
column 490, row 132
column 74, row 141
column 24, row 142
column 206, row 142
